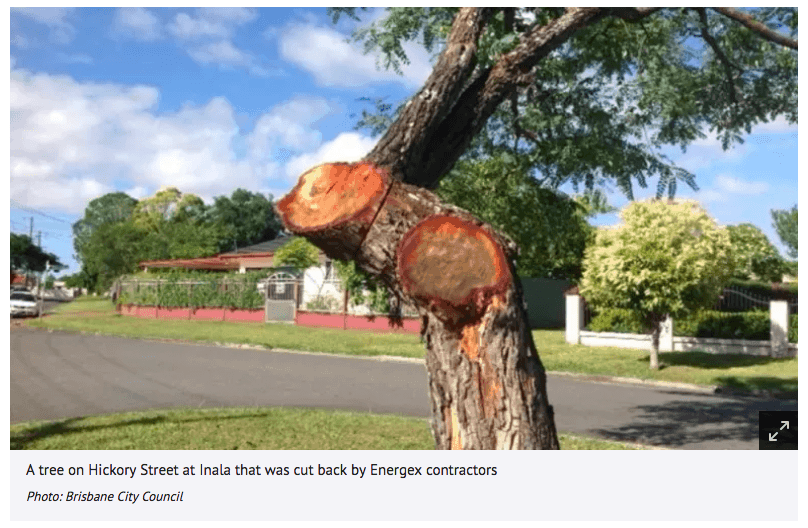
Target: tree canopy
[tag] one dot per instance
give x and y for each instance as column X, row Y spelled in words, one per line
column 298, row 253
column 117, row 231
column 755, row 257
column 665, row 258
column 25, row 255
column 786, row 224
column 247, row 218
column 587, row 95
column 621, row 83
column 110, row 208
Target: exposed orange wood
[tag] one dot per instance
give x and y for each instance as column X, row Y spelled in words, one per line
column 453, row 265
column 334, row 193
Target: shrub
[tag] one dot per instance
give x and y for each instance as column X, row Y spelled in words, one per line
column 723, row 325
column 324, row 303
column 618, row 320
column 792, row 328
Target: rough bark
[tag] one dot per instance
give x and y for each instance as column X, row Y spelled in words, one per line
column 488, row 387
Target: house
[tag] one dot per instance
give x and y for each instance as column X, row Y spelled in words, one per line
column 321, row 287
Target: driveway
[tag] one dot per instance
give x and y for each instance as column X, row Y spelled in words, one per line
column 59, row 375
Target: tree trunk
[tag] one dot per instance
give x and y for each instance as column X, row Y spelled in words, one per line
column 656, row 330
column 487, row 385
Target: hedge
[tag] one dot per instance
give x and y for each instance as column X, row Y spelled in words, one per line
column 740, row 325
column 618, row 320
column 706, row 323
column 792, row 328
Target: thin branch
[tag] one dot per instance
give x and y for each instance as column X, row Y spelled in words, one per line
column 705, row 34
column 757, row 27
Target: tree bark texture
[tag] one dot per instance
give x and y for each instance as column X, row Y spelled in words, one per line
column 487, row 385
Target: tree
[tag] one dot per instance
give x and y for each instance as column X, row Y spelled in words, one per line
column 666, row 258
column 114, row 249
column 247, row 218
column 550, row 229
column 110, row 208
column 25, row 255
column 755, row 257
column 785, row 223
column 298, row 253
column 487, row 384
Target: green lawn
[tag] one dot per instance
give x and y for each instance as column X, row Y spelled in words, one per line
column 736, row 371
column 245, row 428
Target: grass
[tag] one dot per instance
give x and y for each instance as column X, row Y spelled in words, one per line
column 725, row 370
column 729, row 370
column 245, row 428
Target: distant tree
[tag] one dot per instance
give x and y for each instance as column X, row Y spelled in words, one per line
column 785, row 222
column 25, row 255
column 110, row 208
column 664, row 259
column 755, row 256
column 298, row 253
column 550, row 229
column 114, row 249
column 246, row 218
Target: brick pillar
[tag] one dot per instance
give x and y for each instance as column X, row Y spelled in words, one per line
column 779, row 328
column 575, row 319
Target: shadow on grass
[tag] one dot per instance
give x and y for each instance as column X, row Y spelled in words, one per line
column 785, row 388
column 695, row 422
column 713, row 361
column 71, row 426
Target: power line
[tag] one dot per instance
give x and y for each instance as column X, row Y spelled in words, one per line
column 17, row 205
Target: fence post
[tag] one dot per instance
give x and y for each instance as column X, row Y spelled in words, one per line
column 575, row 319
column 778, row 311
column 666, row 335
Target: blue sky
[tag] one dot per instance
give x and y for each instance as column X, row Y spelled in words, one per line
column 208, row 100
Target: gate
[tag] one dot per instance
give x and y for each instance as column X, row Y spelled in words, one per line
column 282, row 292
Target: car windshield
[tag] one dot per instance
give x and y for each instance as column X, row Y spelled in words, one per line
column 19, row 296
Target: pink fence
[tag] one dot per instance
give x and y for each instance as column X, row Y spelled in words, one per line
column 356, row 322
column 216, row 314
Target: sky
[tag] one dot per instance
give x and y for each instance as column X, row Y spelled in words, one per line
column 212, row 99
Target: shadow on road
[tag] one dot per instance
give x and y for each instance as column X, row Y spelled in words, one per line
column 694, row 423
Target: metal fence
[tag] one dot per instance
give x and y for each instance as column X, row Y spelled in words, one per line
column 731, row 300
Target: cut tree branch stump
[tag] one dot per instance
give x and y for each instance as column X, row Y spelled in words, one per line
column 453, row 267
column 487, row 385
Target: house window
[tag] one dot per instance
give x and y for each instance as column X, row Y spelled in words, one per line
column 329, row 270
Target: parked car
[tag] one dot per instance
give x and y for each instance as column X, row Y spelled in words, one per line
column 23, row 303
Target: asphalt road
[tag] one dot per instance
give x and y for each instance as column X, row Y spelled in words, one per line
column 60, row 375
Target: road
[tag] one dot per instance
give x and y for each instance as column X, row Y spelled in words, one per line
column 61, row 375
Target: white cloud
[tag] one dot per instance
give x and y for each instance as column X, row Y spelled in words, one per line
column 207, row 36
column 730, row 184
column 778, row 126
column 224, row 54
column 348, row 147
column 76, row 58
column 74, row 141
column 187, row 27
column 325, row 53
column 138, row 23
column 55, row 18
column 289, row 126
